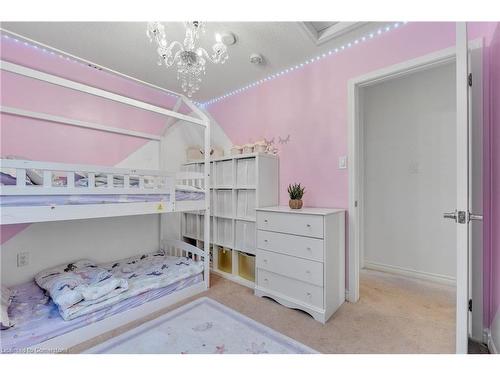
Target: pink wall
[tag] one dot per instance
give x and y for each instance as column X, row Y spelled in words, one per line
column 494, row 51
column 39, row 140
column 310, row 104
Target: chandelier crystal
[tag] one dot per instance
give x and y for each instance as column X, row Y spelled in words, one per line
column 189, row 59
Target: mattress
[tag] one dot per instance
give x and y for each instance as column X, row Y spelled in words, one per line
column 37, row 318
column 61, row 200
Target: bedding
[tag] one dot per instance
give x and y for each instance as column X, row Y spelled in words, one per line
column 9, row 179
column 141, row 273
column 181, row 194
column 81, row 282
column 102, row 180
column 37, row 317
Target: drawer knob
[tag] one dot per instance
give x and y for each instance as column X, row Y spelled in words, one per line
column 265, row 241
column 308, row 272
column 308, row 248
column 308, row 225
column 265, row 260
column 265, row 220
column 309, row 294
column 266, row 280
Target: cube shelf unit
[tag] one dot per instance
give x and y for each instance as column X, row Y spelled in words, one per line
column 239, row 184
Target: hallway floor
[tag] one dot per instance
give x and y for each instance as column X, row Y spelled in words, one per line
column 395, row 314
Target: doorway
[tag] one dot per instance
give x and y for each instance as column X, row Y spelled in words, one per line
column 402, row 172
column 409, row 174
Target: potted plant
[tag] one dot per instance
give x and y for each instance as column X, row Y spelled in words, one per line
column 296, row 193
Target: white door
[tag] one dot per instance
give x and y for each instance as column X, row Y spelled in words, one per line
column 461, row 215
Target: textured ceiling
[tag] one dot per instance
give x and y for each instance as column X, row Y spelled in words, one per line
column 124, row 47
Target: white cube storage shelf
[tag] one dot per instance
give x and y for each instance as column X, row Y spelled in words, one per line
column 242, row 183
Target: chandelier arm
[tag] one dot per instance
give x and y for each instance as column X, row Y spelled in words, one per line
column 205, row 54
column 169, row 60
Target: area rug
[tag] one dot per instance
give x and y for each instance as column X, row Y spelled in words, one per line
column 203, row 326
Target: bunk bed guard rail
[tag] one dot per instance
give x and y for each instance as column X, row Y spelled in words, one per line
column 68, row 179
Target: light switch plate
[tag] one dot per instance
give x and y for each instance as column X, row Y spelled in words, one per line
column 342, row 162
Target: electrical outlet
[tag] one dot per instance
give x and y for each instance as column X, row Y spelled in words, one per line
column 23, row 259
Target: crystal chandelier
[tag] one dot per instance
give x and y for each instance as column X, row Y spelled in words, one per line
column 189, row 58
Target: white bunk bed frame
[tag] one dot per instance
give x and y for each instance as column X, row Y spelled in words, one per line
column 163, row 183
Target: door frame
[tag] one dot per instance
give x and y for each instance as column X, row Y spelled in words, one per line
column 355, row 149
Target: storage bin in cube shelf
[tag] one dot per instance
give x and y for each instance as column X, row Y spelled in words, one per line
column 224, row 232
column 224, row 173
column 224, row 259
column 246, row 172
column 246, row 266
column 245, row 203
column 223, row 203
column 245, row 236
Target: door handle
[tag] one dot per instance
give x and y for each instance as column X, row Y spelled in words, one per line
column 461, row 216
column 450, row 215
column 475, row 217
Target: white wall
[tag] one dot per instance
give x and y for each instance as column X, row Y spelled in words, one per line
column 103, row 240
column 409, row 145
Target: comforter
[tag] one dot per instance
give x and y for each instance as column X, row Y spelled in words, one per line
column 141, row 273
column 80, row 283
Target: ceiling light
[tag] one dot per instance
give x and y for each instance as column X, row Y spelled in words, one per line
column 190, row 60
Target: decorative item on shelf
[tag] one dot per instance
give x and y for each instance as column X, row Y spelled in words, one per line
column 296, row 192
column 215, row 152
column 260, row 147
column 236, row 150
column 248, row 148
column 196, row 153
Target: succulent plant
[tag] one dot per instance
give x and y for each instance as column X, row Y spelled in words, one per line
column 296, row 191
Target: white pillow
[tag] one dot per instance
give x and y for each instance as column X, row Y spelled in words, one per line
column 5, row 303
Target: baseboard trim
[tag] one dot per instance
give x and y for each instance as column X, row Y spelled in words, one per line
column 441, row 279
column 491, row 344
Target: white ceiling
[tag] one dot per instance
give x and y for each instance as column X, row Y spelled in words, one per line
column 124, row 47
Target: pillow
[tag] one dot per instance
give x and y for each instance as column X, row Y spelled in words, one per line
column 7, row 179
column 5, row 303
column 34, row 175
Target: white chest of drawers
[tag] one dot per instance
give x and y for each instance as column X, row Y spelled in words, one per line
column 301, row 258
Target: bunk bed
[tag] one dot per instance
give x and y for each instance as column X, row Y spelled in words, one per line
column 63, row 191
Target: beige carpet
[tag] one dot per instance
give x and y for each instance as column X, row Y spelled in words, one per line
column 394, row 315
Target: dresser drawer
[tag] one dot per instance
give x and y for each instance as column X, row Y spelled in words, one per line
column 289, row 244
column 299, row 224
column 298, row 290
column 297, row 268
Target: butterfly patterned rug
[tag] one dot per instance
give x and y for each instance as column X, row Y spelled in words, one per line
column 203, row 326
